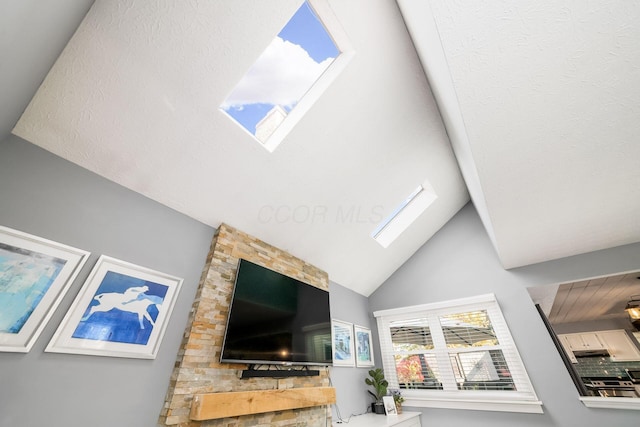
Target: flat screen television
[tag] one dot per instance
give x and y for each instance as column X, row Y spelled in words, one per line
column 277, row 320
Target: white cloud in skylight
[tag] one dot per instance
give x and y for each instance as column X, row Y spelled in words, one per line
column 280, row 76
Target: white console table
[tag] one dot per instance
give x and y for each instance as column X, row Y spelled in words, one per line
column 406, row 419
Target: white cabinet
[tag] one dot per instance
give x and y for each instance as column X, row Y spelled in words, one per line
column 406, row 419
column 620, row 346
column 580, row 342
column 585, row 341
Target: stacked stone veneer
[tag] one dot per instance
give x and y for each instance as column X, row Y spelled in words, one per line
column 198, row 369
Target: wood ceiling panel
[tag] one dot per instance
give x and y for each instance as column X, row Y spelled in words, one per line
column 593, row 299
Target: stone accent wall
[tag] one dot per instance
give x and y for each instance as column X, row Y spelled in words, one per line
column 198, row 369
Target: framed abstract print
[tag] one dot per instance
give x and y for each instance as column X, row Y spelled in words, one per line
column 342, row 343
column 364, row 349
column 35, row 274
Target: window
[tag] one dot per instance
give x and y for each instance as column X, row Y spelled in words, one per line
column 455, row 354
column 290, row 75
column 404, row 215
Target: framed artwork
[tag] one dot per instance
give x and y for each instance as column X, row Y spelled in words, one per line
column 122, row 310
column 389, row 405
column 35, row 274
column 342, row 343
column 364, row 349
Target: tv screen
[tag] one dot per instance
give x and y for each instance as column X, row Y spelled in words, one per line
column 276, row 319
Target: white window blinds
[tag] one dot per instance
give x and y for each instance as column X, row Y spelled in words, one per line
column 455, row 351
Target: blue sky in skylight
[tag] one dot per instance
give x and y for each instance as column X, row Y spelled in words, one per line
column 305, row 30
column 285, row 71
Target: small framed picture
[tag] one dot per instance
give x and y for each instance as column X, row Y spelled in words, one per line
column 35, row 275
column 364, row 349
column 389, row 405
column 342, row 343
column 122, row 310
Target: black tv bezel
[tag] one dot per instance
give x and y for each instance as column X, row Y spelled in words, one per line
column 268, row 362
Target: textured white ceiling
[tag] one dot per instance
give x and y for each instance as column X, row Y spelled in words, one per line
column 135, row 95
column 539, row 102
column 547, row 98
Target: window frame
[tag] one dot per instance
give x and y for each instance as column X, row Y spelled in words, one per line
column 523, row 399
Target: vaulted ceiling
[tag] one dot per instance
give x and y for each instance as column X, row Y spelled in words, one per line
column 529, row 109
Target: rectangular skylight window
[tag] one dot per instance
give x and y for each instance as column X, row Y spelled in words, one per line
column 404, row 215
column 285, row 72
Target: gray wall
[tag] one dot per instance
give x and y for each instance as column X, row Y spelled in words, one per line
column 44, row 195
column 351, row 391
column 459, row 261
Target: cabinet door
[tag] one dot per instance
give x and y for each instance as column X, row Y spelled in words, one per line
column 584, row 341
column 564, row 340
column 575, row 342
column 592, row 342
column 620, row 346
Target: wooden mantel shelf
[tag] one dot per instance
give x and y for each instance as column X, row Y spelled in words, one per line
column 211, row 406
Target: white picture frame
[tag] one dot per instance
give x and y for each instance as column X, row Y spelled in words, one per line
column 122, row 310
column 342, row 343
column 363, row 346
column 35, row 275
column 389, row 405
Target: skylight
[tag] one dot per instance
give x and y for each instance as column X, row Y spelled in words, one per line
column 285, row 73
column 404, row 215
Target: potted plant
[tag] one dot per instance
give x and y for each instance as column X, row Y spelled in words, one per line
column 379, row 384
column 398, row 399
